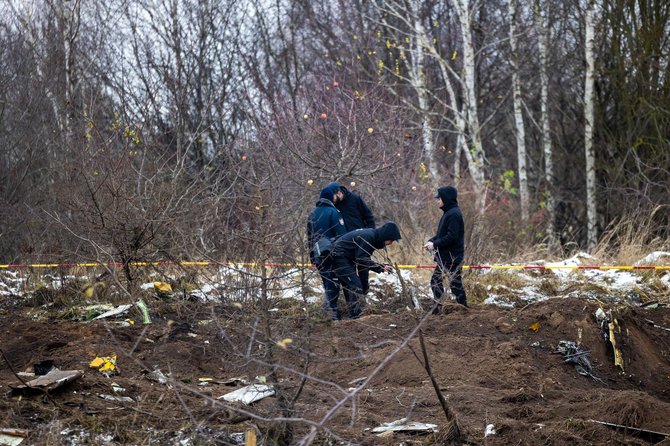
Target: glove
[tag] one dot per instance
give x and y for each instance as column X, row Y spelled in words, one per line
column 429, row 246
column 388, row 268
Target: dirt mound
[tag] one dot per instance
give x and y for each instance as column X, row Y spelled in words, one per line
column 336, row 381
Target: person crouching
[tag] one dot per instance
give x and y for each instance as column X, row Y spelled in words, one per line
column 354, row 249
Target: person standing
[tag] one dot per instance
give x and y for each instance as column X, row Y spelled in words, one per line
column 354, row 210
column 356, row 215
column 448, row 247
column 354, row 249
column 325, row 221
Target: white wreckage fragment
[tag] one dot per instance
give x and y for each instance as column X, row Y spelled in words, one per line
column 113, row 312
column 402, row 425
column 52, row 380
column 249, row 394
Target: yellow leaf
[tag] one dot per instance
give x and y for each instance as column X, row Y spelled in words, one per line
column 89, row 291
column 535, row 326
column 370, row 130
column 310, row 182
column 284, row 343
column 107, row 367
column 453, row 56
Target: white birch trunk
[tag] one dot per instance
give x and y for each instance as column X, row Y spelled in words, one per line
column 591, row 216
column 518, row 117
column 418, row 80
column 543, row 36
column 476, row 166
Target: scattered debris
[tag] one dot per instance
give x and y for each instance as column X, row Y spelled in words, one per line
column 43, row 367
column 113, row 312
column 158, row 376
column 249, row 394
column 145, row 311
column 357, row 380
column 52, row 380
column 235, row 381
column 105, row 365
column 647, row 435
column 490, row 430
column 609, row 328
column 575, row 355
column 655, row 325
column 250, row 437
column 119, row 399
column 402, row 425
column 162, row 287
column 12, row 437
column 228, row 382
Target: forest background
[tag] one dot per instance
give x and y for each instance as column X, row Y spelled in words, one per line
column 203, row 130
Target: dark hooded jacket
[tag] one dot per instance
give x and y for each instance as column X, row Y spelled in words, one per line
column 357, row 246
column 355, row 212
column 449, row 240
column 325, row 220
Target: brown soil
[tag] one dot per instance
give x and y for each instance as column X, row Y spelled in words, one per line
column 491, row 367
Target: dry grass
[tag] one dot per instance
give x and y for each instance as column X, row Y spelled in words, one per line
column 630, row 239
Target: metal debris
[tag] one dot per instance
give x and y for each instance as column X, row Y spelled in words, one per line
column 52, row 380
column 402, row 425
column 249, row 394
column 574, row 354
column 647, row 435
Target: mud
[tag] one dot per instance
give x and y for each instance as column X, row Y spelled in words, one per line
column 335, row 381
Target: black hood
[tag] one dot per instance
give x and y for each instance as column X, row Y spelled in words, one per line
column 449, row 196
column 330, row 190
column 388, row 231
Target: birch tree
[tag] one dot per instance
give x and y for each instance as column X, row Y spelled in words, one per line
column 589, row 115
column 543, row 37
column 476, row 150
column 520, row 131
column 418, row 81
column 425, row 51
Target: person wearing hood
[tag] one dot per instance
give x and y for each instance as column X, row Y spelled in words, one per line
column 448, row 247
column 356, row 215
column 354, row 249
column 325, row 221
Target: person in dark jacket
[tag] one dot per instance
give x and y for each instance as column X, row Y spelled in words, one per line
column 325, row 221
column 357, row 215
column 448, row 247
column 354, row 249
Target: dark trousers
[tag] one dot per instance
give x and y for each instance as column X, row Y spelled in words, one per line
column 354, row 293
column 453, row 272
column 331, row 287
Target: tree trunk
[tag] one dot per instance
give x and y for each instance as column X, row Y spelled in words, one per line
column 592, row 230
column 476, row 151
column 518, row 117
column 418, row 80
column 543, row 36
